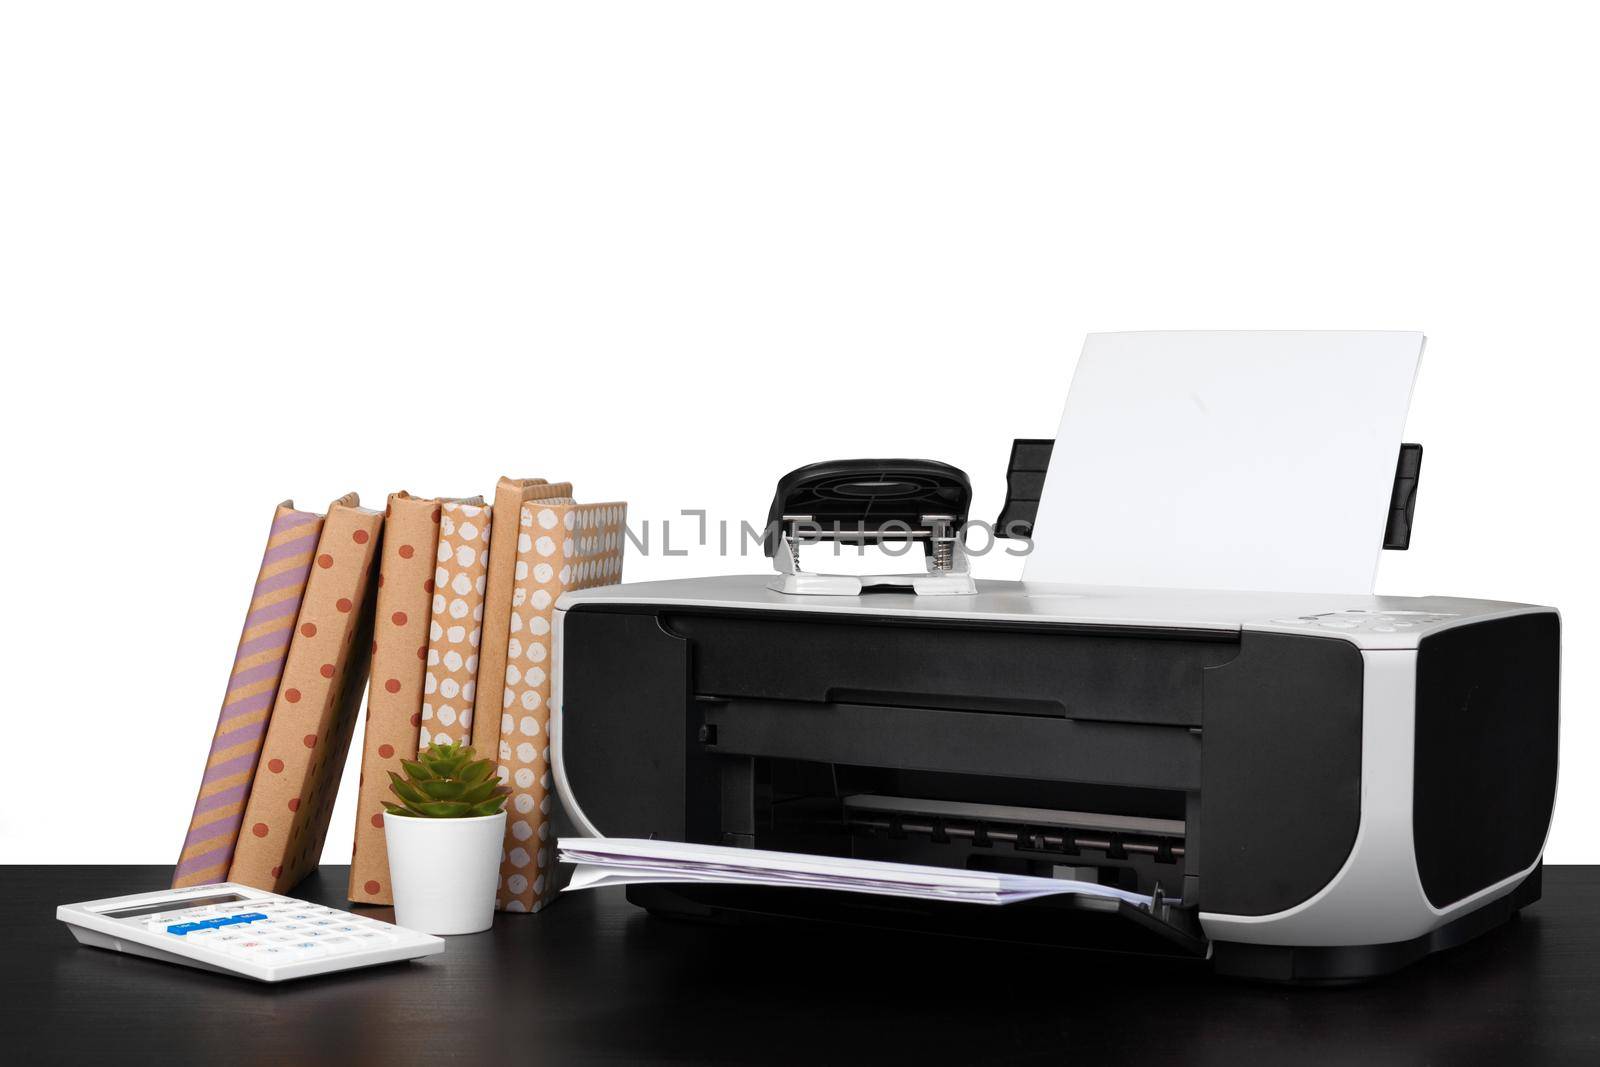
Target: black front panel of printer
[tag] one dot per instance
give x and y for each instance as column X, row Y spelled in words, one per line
column 1487, row 726
column 1262, row 736
column 625, row 723
column 1281, row 791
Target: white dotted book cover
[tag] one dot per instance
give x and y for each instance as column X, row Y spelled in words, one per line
column 559, row 547
column 449, row 685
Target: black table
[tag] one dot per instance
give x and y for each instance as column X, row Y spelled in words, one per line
column 596, row 980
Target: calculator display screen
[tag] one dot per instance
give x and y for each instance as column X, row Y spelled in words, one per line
column 172, row 904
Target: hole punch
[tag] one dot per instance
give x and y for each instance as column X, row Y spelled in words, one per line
column 872, row 502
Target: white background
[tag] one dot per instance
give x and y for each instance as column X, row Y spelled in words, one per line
column 672, row 250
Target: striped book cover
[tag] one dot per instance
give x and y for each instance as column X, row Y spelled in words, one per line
column 252, row 688
column 291, row 800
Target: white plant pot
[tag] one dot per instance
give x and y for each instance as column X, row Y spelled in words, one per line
column 444, row 872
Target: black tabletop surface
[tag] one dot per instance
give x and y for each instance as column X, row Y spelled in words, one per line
column 594, row 980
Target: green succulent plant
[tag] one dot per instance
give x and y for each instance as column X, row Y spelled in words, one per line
column 446, row 782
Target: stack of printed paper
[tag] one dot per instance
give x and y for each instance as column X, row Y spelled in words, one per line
column 603, row 861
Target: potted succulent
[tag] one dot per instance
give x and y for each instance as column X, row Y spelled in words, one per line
column 444, row 840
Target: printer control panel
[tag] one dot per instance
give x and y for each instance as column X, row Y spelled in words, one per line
column 1372, row 622
column 1367, row 627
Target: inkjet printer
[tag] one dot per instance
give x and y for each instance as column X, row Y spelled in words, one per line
column 1311, row 788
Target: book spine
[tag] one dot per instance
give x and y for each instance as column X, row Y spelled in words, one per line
column 509, row 497
column 394, row 699
column 252, row 688
column 559, row 547
column 285, row 820
column 455, row 624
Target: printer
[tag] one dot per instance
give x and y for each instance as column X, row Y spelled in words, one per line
column 1310, row 788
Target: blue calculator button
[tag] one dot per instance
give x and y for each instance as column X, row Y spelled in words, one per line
column 185, row 928
column 249, row 917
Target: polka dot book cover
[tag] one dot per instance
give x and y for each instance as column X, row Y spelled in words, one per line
column 252, row 688
column 394, row 696
column 313, row 717
column 559, row 546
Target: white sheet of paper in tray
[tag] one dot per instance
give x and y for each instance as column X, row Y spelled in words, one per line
column 1226, row 460
column 603, row 861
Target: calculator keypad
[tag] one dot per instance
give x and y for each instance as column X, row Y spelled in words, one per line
column 240, row 930
column 270, row 931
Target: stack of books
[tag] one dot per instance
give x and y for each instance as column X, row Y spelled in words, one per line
column 439, row 608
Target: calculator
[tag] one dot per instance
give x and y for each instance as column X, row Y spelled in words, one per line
column 234, row 929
